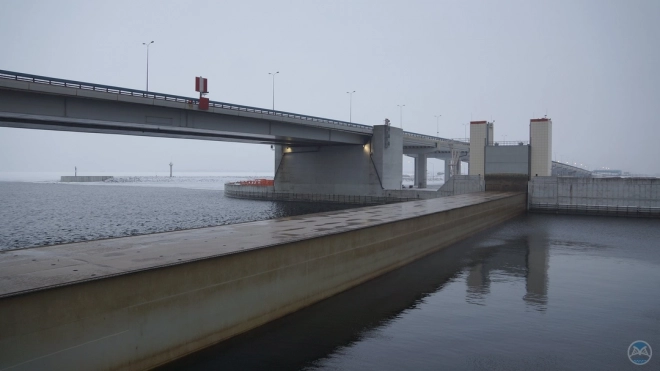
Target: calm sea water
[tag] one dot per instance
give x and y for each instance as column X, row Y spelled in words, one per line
column 36, row 214
column 541, row 292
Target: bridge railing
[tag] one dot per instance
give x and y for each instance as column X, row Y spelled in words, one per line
column 168, row 97
column 558, row 164
column 462, row 140
column 18, row 76
column 432, row 138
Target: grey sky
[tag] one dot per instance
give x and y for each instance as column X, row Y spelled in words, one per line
column 591, row 65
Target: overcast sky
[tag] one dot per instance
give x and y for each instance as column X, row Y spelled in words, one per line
column 592, row 66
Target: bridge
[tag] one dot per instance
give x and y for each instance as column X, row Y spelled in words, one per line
column 339, row 147
column 96, row 108
column 312, row 154
column 561, row 169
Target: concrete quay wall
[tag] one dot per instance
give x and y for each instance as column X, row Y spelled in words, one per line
column 149, row 314
column 65, row 178
column 462, row 184
column 595, row 195
column 387, row 196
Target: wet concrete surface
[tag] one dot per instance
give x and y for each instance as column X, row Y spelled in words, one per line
column 30, row 269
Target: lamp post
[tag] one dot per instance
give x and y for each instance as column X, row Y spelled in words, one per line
column 350, row 105
column 401, row 114
column 273, row 74
column 147, row 45
column 465, row 131
column 437, row 133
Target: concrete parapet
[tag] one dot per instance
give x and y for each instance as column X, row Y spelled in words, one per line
column 234, row 190
column 572, row 193
column 462, row 184
column 506, row 182
column 138, row 302
column 70, row 179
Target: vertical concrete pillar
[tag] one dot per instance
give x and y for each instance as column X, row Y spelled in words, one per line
column 387, row 154
column 447, row 169
column 420, row 171
column 540, row 141
column 458, row 168
column 481, row 135
column 278, row 158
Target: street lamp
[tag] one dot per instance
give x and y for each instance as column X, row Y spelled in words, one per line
column 401, row 114
column 437, row 134
column 350, row 105
column 273, row 74
column 147, row 45
column 465, row 131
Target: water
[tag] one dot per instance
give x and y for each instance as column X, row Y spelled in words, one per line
column 541, row 292
column 37, row 214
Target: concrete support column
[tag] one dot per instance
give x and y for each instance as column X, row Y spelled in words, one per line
column 420, row 171
column 277, row 148
column 363, row 169
column 447, row 169
column 458, row 168
column 540, row 141
column 387, row 155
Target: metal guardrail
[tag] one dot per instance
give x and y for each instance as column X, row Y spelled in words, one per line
column 430, row 137
column 634, row 211
column 512, row 143
column 315, row 197
column 167, row 97
column 177, row 98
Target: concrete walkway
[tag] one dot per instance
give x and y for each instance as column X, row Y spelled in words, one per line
column 32, row 269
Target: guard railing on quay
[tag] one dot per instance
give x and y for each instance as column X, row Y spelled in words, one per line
column 315, row 197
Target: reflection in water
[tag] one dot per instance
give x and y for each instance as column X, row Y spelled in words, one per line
column 537, row 271
column 420, row 316
column 296, row 341
column 524, row 257
column 478, row 284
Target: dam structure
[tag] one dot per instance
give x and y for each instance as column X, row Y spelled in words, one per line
column 135, row 303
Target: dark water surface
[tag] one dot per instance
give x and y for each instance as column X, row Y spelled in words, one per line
column 541, row 292
column 36, row 214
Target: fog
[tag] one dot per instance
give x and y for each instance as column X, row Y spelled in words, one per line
column 591, row 66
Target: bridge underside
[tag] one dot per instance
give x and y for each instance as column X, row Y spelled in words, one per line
column 313, row 155
column 166, row 119
column 367, row 169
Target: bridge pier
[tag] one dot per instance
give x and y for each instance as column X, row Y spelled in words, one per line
column 447, row 169
column 364, row 169
column 420, row 170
